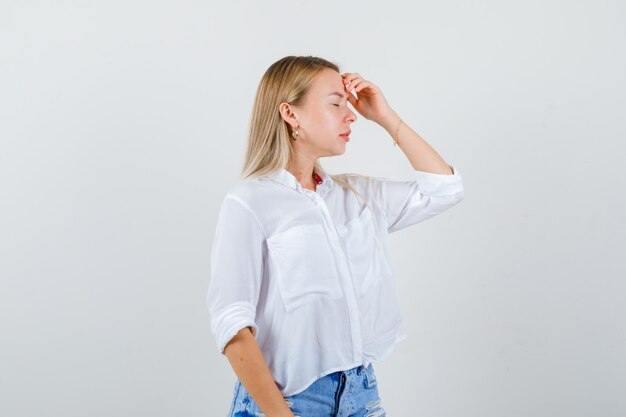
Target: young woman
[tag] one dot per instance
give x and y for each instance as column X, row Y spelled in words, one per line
column 302, row 293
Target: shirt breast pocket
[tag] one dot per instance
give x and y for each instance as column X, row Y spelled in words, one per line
column 367, row 260
column 304, row 265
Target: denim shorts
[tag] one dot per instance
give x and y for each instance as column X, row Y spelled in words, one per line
column 350, row 393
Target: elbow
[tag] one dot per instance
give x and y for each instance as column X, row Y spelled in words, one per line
column 460, row 195
column 453, row 199
column 244, row 334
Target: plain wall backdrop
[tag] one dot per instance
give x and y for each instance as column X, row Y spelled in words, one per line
column 123, row 123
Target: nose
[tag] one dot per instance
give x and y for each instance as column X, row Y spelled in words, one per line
column 351, row 115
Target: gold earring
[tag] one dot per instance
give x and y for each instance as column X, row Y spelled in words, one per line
column 294, row 134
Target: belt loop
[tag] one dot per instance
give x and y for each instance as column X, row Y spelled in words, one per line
column 359, row 371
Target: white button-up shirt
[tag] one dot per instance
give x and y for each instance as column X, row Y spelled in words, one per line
column 310, row 271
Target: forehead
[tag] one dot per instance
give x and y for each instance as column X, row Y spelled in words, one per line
column 327, row 82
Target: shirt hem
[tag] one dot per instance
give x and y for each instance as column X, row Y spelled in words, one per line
column 323, row 374
column 391, row 347
column 396, row 335
column 365, row 362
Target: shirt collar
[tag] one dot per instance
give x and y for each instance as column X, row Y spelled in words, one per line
column 287, row 178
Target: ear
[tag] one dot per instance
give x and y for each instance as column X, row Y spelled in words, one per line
column 286, row 112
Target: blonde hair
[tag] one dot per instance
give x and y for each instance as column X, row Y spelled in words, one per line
column 269, row 143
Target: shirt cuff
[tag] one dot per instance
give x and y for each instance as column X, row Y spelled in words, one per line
column 229, row 321
column 439, row 184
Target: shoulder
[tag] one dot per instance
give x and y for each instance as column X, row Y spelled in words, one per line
column 363, row 183
column 244, row 188
column 252, row 193
column 242, row 205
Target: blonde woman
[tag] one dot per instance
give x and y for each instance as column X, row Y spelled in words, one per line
column 302, row 293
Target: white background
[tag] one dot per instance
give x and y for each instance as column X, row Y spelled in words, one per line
column 122, row 124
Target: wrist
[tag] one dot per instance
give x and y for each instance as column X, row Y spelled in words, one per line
column 286, row 414
column 390, row 122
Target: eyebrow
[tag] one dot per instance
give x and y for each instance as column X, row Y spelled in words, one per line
column 338, row 94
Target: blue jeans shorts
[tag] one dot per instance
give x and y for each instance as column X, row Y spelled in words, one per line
column 349, row 393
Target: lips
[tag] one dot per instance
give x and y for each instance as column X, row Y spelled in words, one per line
column 346, row 135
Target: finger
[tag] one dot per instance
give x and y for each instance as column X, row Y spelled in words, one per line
column 362, row 85
column 358, row 82
column 349, row 85
column 352, row 99
column 349, row 77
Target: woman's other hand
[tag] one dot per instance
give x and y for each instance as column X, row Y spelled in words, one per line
column 370, row 101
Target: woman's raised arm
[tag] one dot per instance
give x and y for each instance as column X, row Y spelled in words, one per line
column 371, row 104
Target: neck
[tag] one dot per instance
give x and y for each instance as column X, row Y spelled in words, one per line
column 304, row 175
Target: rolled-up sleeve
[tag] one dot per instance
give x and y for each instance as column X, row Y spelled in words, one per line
column 428, row 194
column 236, row 271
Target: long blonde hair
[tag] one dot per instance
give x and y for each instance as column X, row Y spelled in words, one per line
column 269, row 143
